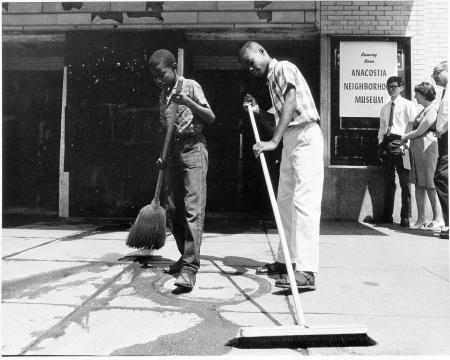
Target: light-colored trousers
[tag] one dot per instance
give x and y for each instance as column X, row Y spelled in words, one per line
column 300, row 194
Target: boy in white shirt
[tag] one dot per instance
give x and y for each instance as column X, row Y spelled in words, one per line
column 395, row 116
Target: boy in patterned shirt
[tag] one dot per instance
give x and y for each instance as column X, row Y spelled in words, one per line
column 301, row 171
column 187, row 164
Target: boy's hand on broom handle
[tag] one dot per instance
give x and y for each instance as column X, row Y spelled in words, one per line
column 181, row 99
column 248, row 99
column 261, row 146
column 161, row 164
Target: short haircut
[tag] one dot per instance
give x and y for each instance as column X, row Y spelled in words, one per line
column 396, row 79
column 162, row 56
column 443, row 65
column 426, row 90
column 248, row 45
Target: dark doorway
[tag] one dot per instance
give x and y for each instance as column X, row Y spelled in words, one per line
column 235, row 178
column 31, row 137
column 112, row 121
column 114, row 135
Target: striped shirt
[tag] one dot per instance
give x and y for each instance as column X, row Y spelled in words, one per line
column 186, row 122
column 282, row 73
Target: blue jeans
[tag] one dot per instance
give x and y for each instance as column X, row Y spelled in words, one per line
column 186, row 200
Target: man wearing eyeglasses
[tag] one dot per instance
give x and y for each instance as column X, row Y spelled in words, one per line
column 440, row 76
column 396, row 118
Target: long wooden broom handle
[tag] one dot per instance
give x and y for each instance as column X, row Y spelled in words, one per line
column 298, row 306
column 168, row 137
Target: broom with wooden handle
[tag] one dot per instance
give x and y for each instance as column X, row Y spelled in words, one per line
column 300, row 335
column 149, row 229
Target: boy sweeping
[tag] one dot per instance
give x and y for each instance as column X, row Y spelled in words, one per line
column 187, row 164
column 301, row 170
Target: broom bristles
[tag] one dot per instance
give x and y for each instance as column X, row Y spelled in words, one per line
column 149, row 229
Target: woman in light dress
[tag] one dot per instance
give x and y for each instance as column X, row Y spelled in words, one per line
column 423, row 155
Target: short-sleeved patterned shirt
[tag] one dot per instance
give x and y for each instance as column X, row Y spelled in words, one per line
column 186, row 122
column 282, row 73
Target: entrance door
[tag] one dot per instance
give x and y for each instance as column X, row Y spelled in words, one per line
column 31, row 134
column 235, row 179
column 113, row 129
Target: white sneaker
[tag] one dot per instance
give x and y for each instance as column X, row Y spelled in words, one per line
column 433, row 226
column 418, row 225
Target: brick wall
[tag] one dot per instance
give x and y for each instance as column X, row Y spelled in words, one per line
column 365, row 17
column 425, row 21
column 36, row 16
column 430, row 42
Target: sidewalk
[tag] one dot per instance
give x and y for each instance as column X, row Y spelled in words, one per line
column 76, row 289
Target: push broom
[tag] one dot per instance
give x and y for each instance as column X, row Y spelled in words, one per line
column 300, row 335
column 149, row 229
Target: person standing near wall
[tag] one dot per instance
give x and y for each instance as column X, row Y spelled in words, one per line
column 424, row 154
column 440, row 76
column 301, row 171
column 396, row 117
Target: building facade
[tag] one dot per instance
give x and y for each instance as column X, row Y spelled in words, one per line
column 80, row 118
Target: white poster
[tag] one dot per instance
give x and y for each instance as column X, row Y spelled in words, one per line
column 364, row 68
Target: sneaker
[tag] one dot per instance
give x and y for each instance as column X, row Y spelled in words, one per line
column 186, row 278
column 419, row 224
column 303, row 279
column 274, row 268
column 433, row 226
column 174, row 268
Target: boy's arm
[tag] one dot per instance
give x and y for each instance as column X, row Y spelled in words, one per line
column 287, row 112
column 381, row 129
column 204, row 113
column 267, row 120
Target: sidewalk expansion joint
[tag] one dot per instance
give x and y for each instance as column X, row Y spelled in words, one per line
column 107, row 262
column 265, row 228
column 76, row 236
column 263, row 311
column 56, row 327
column 289, row 304
column 437, row 275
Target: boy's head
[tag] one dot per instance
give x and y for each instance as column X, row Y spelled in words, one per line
column 440, row 74
column 163, row 68
column 254, row 58
column 394, row 86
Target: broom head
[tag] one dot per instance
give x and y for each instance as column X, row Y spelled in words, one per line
column 297, row 336
column 149, row 229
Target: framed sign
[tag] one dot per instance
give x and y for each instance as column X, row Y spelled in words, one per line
column 364, row 68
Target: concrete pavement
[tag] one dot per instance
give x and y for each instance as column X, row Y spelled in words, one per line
column 72, row 288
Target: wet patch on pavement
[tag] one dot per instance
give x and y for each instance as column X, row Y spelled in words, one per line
column 130, row 317
column 104, row 331
column 213, row 287
column 69, row 286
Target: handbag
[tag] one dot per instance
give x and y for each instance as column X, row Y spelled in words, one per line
column 406, row 160
column 394, row 144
